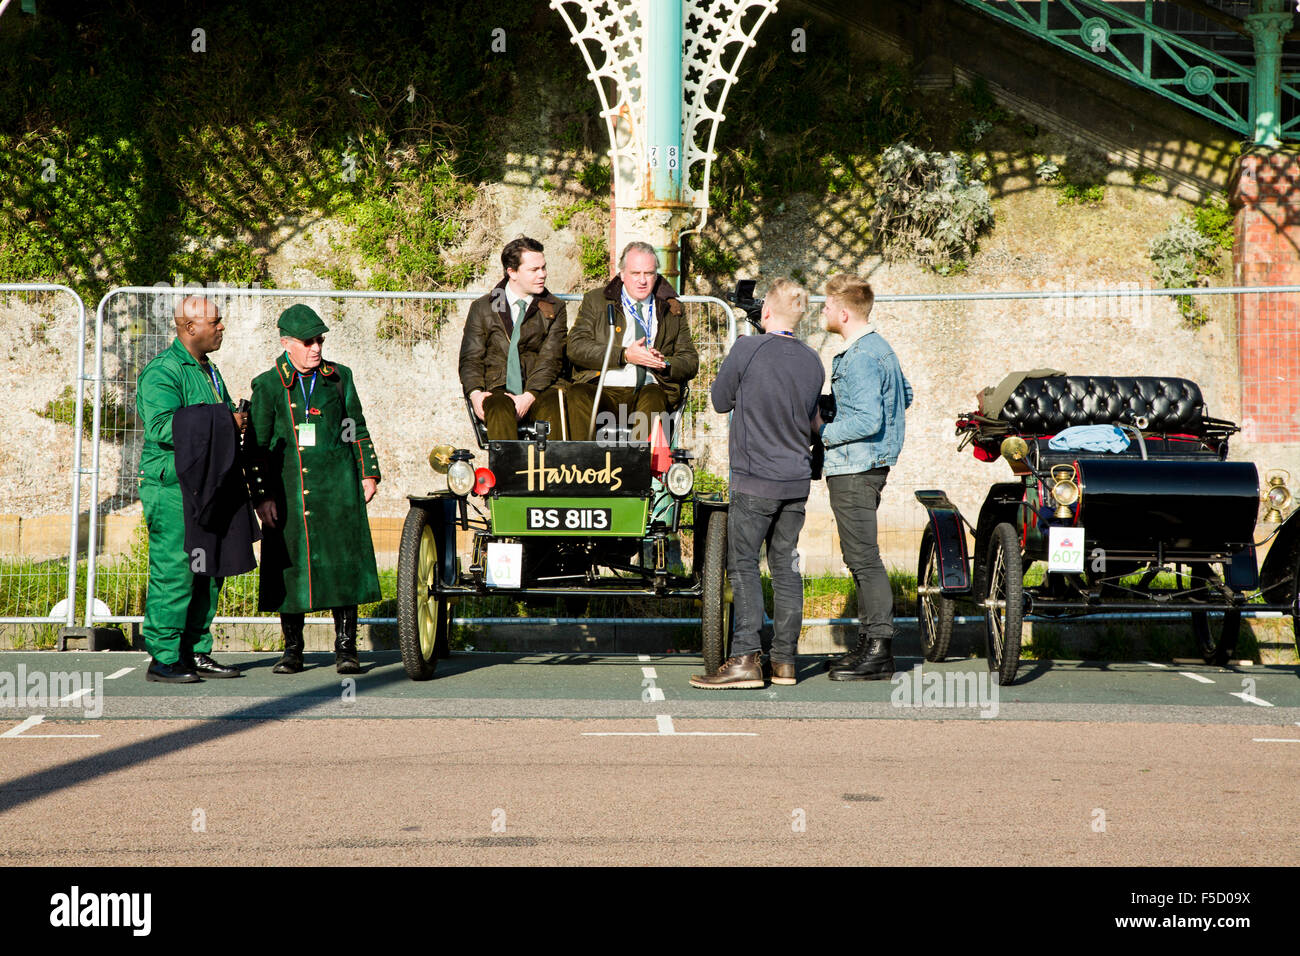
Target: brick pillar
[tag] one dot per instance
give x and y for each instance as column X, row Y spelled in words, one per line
column 1266, row 195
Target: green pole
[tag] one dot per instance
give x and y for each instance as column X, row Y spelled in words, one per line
column 664, row 106
column 1268, row 26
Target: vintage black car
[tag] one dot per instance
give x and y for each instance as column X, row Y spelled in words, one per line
column 557, row 518
column 1166, row 523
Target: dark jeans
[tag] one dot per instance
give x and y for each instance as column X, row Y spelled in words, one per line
column 854, row 499
column 751, row 520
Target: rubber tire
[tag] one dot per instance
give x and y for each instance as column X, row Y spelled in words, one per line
column 716, row 619
column 1216, row 649
column 1006, row 583
column 423, row 619
column 934, row 613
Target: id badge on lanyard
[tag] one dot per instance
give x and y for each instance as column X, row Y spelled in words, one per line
column 307, row 430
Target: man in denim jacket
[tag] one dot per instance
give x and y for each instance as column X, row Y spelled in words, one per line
column 871, row 394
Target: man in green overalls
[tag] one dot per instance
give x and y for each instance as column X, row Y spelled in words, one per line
column 179, row 605
column 312, row 471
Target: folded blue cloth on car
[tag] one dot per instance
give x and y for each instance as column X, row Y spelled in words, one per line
column 1090, row 438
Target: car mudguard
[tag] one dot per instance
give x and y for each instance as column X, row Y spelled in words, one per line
column 949, row 531
column 1277, row 578
column 442, row 509
column 704, row 507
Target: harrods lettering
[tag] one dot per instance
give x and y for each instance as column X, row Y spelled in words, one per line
column 539, row 475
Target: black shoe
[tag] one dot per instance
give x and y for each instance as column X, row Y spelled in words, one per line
column 345, row 641
column 170, row 673
column 851, row 658
column 876, row 664
column 205, row 666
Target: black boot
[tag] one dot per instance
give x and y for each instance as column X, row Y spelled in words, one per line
column 877, row 663
column 291, row 627
column 345, row 640
column 851, row 658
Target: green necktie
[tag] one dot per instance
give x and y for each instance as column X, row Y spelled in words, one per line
column 515, row 374
column 641, row 333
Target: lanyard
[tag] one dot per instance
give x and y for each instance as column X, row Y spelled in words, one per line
column 306, row 395
column 216, row 385
column 648, row 319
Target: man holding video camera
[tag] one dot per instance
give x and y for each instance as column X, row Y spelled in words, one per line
column 862, row 443
column 770, row 384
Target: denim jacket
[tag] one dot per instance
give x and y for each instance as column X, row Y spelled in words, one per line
column 871, row 393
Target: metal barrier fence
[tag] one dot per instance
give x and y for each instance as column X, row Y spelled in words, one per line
column 396, row 343
column 39, row 525
column 951, row 345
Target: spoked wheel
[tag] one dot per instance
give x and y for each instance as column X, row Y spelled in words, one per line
column 934, row 611
column 1216, row 644
column 423, row 618
column 1004, row 607
column 716, row 615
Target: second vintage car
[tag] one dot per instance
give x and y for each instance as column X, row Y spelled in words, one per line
column 1143, row 514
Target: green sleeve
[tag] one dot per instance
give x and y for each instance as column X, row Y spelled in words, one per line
column 158, row 395
column 261, row 431
column 367, row 460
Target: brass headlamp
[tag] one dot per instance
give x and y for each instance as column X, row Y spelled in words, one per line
column 1276, row 496
column 1065, row 490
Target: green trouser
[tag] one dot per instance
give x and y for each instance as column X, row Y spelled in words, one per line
column 180, row 605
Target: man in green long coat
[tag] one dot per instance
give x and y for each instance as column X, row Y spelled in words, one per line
column 180, row 604
column 312, row 471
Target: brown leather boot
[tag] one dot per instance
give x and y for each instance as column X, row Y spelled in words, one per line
column 744, row 672
column 783, row 672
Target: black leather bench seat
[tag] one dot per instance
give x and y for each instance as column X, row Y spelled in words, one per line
column 1046, row 406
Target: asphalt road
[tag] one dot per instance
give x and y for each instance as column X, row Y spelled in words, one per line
column 566, row 759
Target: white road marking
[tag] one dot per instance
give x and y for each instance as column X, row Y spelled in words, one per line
column 666, row 729
column 69, row 698
column 1250, row 698
column 1276, row 740
column 122, row 673
column 31, row 722
column 1196, row 677
column 643, row 657
column 1152, row 664
column 649, row 692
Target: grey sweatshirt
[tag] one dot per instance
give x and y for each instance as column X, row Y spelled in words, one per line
column 771, row 382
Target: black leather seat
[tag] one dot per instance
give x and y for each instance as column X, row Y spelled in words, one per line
column 1046, row 406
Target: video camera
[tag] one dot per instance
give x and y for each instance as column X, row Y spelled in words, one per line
column 826, row 405
column 743, row 298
